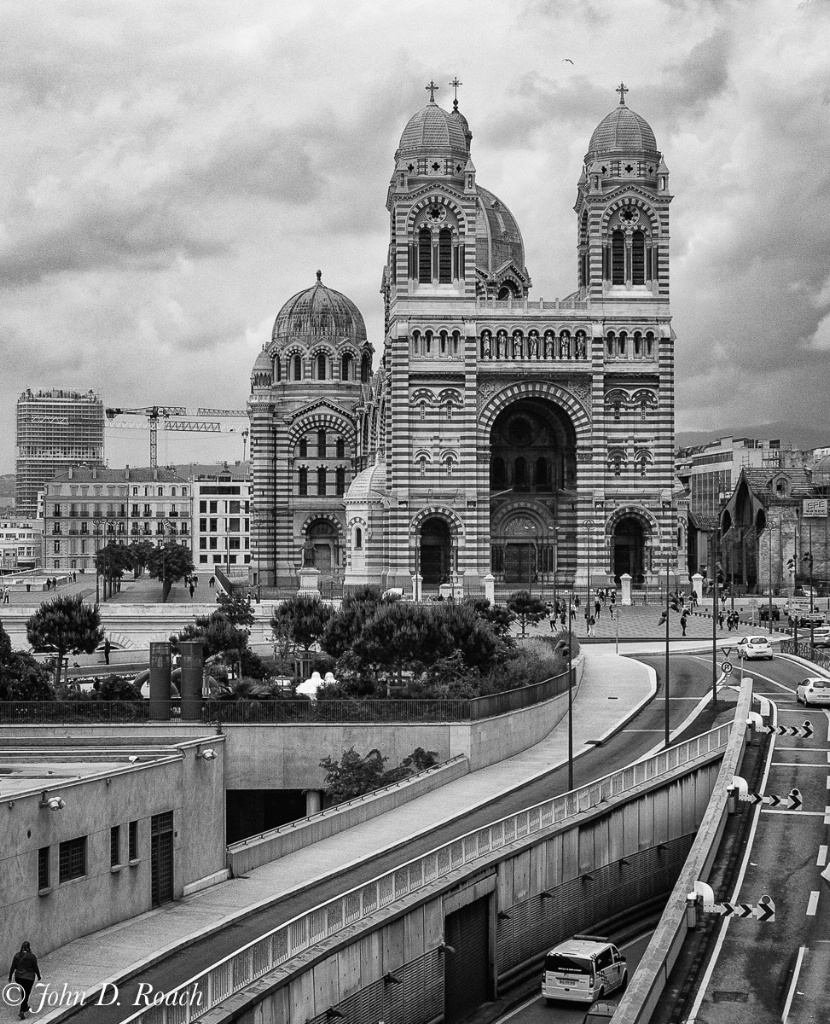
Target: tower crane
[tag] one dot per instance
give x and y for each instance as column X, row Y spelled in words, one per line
column 197, row 420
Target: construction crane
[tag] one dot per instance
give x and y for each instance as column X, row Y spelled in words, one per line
column 154, row 413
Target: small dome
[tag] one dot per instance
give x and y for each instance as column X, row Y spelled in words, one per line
column 263, row 362
column 498, row 239
column 623, row 131
column 319, row 312
column 433, row 129
column 369, row 484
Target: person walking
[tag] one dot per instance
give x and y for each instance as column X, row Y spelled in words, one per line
column 591, row 626
column 212, row 582
column 191, row 588
column 24, row 970
column 720, row 619
column 683, row 623
column 597, row 607
column 107, row 649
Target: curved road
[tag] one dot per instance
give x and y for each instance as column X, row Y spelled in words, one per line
column 690, row 680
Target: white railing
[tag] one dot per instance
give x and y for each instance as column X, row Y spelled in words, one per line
column 237, row 970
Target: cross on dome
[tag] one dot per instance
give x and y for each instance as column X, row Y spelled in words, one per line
column 622, row 90
column 455, row 84
column 433, row 88
column 319, row 276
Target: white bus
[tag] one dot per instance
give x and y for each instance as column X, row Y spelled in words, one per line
column 582, row 969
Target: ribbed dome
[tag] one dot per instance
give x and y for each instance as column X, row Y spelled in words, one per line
column 498, row 238
column 433, row 129
column 319, row 312
column 623, row 131
column 263, row 361
column 369, row 484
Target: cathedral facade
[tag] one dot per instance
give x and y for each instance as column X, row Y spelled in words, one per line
column 528, row 440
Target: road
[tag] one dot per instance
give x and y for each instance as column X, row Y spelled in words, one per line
column 535, row 1010
column 690, row 681
column 765, row 973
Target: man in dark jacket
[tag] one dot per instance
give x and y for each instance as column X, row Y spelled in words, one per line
column 24, row 968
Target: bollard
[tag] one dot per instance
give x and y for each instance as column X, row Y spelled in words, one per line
column 160, row 681
column 190, row 684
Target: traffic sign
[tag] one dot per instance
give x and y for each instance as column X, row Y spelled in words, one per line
column 764, row 911
column 726, row 667
column 803, row 731
column 793, row 799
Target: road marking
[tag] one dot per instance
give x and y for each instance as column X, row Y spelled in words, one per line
column 802, row 950
column 828, row 781
column 822, row 856
column 812, row 903
column 815, row 814
column 796, row 764
column 827, row 815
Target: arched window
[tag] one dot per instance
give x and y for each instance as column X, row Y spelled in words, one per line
column 365, row 434
column 365, row 368
column 346, row 372
column 428, row 343
column 540, row 480
column 423, row 408
column 321, row 444
column 520, row 475
column 303, row 447
column 358, row 539
column 445, row 256
column 425, row 256
column 621, row 340
column 649, row 344
column 340, row 481
column 638, row 258
column 340, row 448
column 277, row 369
column 321, row 367
column 443, row 337
column 498, row 474
column 302, row 482
column 609, row 343
column 298, row 368
column 321, row 480
column 618, row 258
column 449, row 465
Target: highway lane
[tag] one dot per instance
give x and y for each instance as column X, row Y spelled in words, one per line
column 778, row 971
column 535, row 1010
column 691, row 680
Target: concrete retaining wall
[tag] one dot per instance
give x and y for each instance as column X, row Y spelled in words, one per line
column 251, row 853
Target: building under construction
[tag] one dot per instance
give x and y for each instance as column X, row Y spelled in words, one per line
column 55, row 429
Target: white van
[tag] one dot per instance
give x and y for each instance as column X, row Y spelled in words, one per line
column 582, row 969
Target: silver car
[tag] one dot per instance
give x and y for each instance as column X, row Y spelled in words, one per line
column 813, row 690
column 754, row 647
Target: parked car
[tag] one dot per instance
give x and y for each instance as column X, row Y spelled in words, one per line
column 813, row 690
column 754, row 647
column 821, row 637
column 763, row 612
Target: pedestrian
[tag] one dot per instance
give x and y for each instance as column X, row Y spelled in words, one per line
column 107, row 649
column 611, row 610
column 576, row 600
column 683, row 623
column 5, row 595
column 573, row 613
column 591, row 626
column 191, row 588
column 720, row 619
column 663, row 617
column 24, row 969
column 586, row 615
column 613, row 598
column 603, row 595
column 212, row 582
column 553, row 620
column 562, row 617
column 597, row 607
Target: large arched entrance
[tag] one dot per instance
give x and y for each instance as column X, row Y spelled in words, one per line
column 435, row 551
column 322, row 546
column 628, row 549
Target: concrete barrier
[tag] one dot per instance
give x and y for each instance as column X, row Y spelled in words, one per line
column 646, row 987
column 277, row 842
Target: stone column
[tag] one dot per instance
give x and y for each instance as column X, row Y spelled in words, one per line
column 313, row 801
column 190, row 684
column 160, row 681
column 697, row 586
column 417, row 584
column 490, row 587
column 625, row 583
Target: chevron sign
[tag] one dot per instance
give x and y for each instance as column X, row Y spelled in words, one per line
column 764, row 911
column 792, row 800
column 803, row 731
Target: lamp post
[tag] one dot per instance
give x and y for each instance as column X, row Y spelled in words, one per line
column 257, row 519
column 807, row 558
column 769, row 612
column 667, row 720
column 570, row 700
column 99, row 522
column 165, row 526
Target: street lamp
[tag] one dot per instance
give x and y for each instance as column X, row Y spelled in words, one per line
column 100, row 521
column 667, row 721
column 769, row 611
column 257, row 518
column 807, row 558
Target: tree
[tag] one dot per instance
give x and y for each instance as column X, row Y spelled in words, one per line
column 236, row 608
column 301, row 620
column 526, row 608
column 65, row 625
column 353, row 775
column 401, row 636
column 496, row 616
column 21, row 677
column 346, row 625
column 169, row 563
column 140, row 551
column 111, row 561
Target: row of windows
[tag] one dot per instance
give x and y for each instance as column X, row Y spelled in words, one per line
column 322, row 368
column 114, row 489
column 232, row 507
column 72, row 856
column 322, row 446
column 322, row 481
column 212, row 543
column 220, row 560
column 232, row 526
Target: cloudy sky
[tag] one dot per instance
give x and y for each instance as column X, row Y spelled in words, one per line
column 174, row 170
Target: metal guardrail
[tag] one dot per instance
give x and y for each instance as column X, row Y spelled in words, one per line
column 285, row 712
column 238, row 970
column 806, row 651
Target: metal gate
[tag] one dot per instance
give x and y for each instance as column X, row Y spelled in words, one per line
column 161, row 858
column 466, row 971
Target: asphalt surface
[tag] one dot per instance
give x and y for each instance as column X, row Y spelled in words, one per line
column 690, row 680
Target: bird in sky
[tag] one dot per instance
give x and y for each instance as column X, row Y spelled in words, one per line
column 567, row 60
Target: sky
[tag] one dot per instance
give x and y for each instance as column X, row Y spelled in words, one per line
column 175, row 170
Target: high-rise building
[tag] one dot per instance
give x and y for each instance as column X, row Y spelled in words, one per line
column 55, row 429
column 528, row 441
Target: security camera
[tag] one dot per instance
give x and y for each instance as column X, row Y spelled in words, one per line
column 207, row 755
column 53, row 803
column 132, row 758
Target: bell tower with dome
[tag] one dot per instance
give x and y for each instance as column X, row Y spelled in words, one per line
column 501, row 440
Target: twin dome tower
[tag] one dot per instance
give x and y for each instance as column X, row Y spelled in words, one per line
column 527, row 441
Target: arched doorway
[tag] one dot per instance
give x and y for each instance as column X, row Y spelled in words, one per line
column 435, row 551
column 322, row 545
column 628, row 549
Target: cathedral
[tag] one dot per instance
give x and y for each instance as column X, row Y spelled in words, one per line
column 530, row 441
